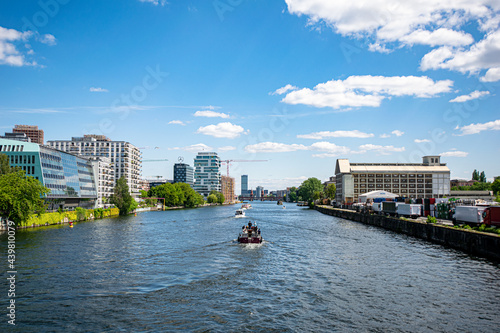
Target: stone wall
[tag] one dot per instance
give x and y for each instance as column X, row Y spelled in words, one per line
column 480, row 244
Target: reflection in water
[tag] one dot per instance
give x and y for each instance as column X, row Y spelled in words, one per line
column 183, row 270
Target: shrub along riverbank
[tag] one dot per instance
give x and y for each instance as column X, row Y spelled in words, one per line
column 79, row 214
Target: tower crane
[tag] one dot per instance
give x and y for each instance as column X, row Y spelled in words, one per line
column 228, row 162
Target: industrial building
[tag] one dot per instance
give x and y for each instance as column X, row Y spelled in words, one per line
column 429, row 179
column 207, row 176
column 69, row 178
column 125, row 158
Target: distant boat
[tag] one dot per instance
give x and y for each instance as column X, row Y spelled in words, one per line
column 246, row 206
column 284, row 207
column 280, row 202
column 239, row 213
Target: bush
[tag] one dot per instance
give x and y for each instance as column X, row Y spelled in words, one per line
column 431, row 219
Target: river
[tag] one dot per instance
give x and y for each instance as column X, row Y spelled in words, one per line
column 183, row 271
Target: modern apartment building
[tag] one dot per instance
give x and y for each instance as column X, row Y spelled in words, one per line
column 227, row 188
column 69, row 178
column 429, row 179
column 31, row 132
column 104, row 176
column 207, row 176
column 125, row 158
column 183, row 173
column 244, row 185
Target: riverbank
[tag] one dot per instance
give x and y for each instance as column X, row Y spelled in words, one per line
column 477, row 243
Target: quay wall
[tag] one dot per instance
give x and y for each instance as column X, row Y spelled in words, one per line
column 473, row 242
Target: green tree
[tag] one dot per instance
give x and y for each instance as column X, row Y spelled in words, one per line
column 4, row 164
column 219, row 195
column 495, row 186
column 121, row 197
column 293, row 194
column 482, row 177
column 308, row 187
column 330, row 191
column 212, row 198
column 475, row 175
column 191, row 197
column 21, row 196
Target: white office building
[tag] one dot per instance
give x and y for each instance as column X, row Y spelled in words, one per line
column 104, row 179
column 429, row 179
column 207, row 176
column 125, row 158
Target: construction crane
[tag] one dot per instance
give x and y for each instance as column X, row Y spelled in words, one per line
column 228, row 162
column 155, row 160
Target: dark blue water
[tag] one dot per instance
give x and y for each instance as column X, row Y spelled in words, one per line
column 183, row 271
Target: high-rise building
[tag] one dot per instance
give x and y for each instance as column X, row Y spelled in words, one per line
column 227, row 188
column 31, row 132
column 69, row 178
column 104, row 176
column 125, row 157
column 429, row 179
column 259, row 192
column 244, row 185
column 207, row 173
column 183, row 173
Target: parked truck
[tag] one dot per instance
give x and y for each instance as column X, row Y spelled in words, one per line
column 411, row 210
column 469, row 214
column 491, row 216
column 389, row 208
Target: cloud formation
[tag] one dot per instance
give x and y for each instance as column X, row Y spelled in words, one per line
column 222, row 130
column 9, row 52
column 176, row 122
column 477, row 128
column 98, row 89
column 210, row 114
column 335, row 134
column 455, row 153
column 366, row 90
column 473, row 95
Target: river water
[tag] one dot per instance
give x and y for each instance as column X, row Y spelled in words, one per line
column 183, row 271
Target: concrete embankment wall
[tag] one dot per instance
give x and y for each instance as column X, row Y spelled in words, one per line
column 470, row 241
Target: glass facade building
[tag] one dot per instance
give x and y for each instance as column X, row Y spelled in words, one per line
column 207, row 176
column 69, row 178
column 244, row 186
column 183, row 173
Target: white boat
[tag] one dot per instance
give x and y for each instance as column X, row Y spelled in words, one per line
column 239, row 213
column 246, row 206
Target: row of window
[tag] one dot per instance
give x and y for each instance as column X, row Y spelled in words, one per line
column 393, row 175
column 22, row 159
column 50, row 157
column 52, row 166
column 11, row 147
column 51, row 176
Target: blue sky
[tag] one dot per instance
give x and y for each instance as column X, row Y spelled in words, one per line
column 298, row 83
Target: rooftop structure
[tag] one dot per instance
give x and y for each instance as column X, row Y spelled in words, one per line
column 32, row 132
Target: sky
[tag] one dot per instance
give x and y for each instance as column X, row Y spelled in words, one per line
column 294, row 84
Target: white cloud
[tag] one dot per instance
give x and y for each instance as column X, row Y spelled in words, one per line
column 455, row 153
column 194, row 148
column 384, row 150
column 222, row 130
column 176, row 122
column 366, row 90
column 473, row 95
column 397, row 133
column 210, row 114
column 156, row 2
column 98, row 89
column 421, row 140
column 492, row 75
column 485, row 54
column 226, row 148
column 48, row 39
column 273, row 147
column 335, row 134
column 284, row 89
column 390, row 24
column 477, row 128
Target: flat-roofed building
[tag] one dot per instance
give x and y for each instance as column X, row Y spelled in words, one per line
column 207, row 176
column 429, row 179
column 69, row 178
column 126, row 159
column 183, row 173
column 32, row 132
column 227, row 188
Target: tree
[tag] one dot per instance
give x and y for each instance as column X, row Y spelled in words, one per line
column 330, row 191
column 212, row 198
column 293, row 194
column 21, row 196
column 495, row 186
column 219, row 195
column 4, row 164
column 121, row 197
column 482, row 177
column 308, row 187
column 475, row 175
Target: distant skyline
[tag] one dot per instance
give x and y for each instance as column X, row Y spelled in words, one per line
column 298, row 83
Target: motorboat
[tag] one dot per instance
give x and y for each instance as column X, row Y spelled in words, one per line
column 246, row 206
column 284, row 207
column 250, row 234
column 239, row 213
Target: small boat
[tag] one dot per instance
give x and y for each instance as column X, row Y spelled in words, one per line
column 239, row 213
column 280, row 202
column 250, row 235
column 246, row 206
column 284, row 207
